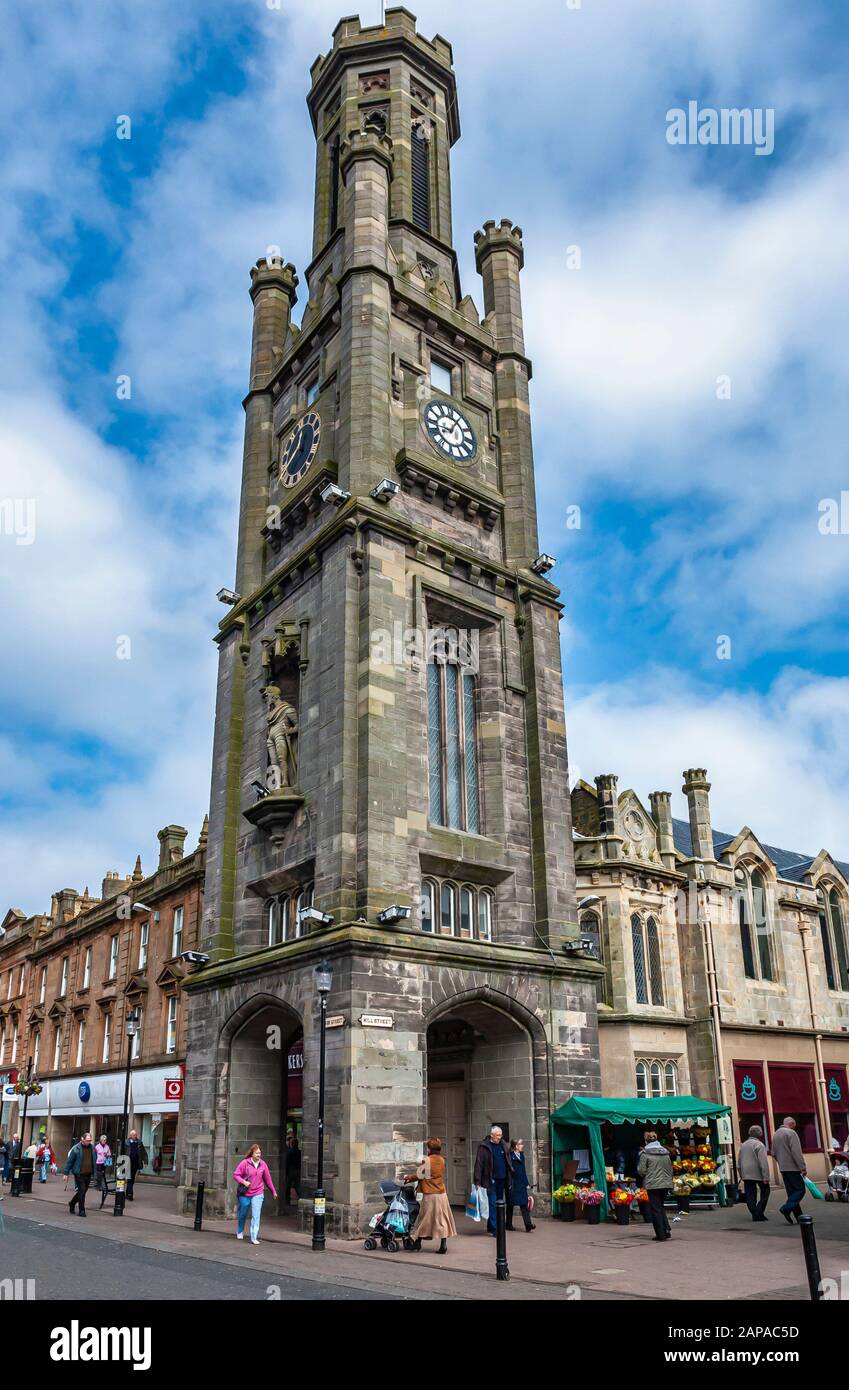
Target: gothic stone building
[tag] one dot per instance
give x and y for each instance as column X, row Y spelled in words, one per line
column 679, row 906
column 389, row 724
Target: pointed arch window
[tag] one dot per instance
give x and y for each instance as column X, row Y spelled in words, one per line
column 640, row 983
column 591, row 929
column 655, row 966
column 453, row 783
column 420, row 173
column 334, row 184
column 427, row 906
column 755, row 926
column 451, row 909
column 832, row 915
column 642, row 1080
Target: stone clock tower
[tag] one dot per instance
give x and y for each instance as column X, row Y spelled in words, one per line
column 389, row 788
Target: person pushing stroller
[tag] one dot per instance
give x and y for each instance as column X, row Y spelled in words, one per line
column 436, row 1220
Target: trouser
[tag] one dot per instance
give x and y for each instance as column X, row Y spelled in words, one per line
column 254, row 1206
column 134, row 1168
column 657, row 1197
column 293, row 1185
column 756, row 1206
column 101, row 1177
column 82, row 1185
column 43, row 1170
column 526, row 1216
column 794, row 1186
column 493, row 1192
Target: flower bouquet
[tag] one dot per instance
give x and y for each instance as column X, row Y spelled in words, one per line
column 643, row 1202
column 565, row 1198
column 621, row 1199
column 27, row 1088
column 681, row 1189
column 591, row 1198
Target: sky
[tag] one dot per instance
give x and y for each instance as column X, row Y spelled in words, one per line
column 685, row 310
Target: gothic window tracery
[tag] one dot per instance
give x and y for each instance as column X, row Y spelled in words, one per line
column 452, row 909
column 754, row 923
column 648, row 963
column 282, row 915
column 833, row 919
column 452, row 736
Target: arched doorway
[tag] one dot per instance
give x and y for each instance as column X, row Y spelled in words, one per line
column 480, row 1072
column 262, row 1103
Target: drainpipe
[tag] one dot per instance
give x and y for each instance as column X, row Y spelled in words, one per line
column 805, row 934
column 715, row 1015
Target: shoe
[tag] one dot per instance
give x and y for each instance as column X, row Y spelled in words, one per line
column 81, row 1213
column 659, row 1237
column 240, row 1235
column 254, row 1242
column 71, row 1206
column 443, row 1247
column 787, row 1217
column 532, row 1226
column 508, row 1228
column 491, row 1233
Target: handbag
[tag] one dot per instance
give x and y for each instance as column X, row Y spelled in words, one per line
column 813, row 1189
column 531, row 1203
column 108, row 1162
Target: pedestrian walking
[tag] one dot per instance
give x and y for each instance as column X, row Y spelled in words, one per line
column 80, row 1166
column 102, row 1161
column 253, row 1177
column 520, row 1195
column 436, row 1219
column 494, row 1170
column 5, row 1160
column 292, row 1171
column 754, row 1170
column 654, row 1169
column 46, row 1160
column 787, row 1152
column 137, row 1154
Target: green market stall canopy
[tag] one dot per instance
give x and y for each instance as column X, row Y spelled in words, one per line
column 583, row 1116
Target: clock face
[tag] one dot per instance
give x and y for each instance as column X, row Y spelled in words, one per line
column 300, row 449
column 449, row 431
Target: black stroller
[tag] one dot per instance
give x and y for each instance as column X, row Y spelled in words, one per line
column 395, row 1222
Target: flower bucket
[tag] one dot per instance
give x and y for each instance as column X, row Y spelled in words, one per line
column 623, row 1215
column 593, row 1215
column 567, row 1211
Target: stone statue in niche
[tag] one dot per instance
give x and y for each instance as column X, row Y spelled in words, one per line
column 282, row 740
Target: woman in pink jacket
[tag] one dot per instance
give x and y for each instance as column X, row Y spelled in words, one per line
column 252, row 1177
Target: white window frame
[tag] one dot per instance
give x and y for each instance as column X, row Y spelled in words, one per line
column 171, row 1025
column 177, row 931
column 42, row 993
column 87, row 968
column 107, row 1037
column 22, row 979
column 81, row 1043
column 144, row 940
column 57, row 1047
column 441, row 371
column 63, row 979
column 36, row 1050
column 14, row 1042
column 135, row 1050
column 114, row 951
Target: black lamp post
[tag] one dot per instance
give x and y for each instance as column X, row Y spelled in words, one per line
column 15, row 1189
column 132, row 1027
column 323, row 980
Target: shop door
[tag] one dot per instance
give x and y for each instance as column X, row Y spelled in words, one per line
column 446, row 1107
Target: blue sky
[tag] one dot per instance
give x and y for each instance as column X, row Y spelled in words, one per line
column 699, row 515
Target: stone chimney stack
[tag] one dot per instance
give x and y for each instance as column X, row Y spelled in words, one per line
column 608, row 804
column 171, row 841
column 111, row 885
column 696, row 789
column 661, row 809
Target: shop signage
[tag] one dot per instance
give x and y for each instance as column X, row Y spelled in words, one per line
column 377, row 1020
column 174, row 1088
column 84, row 1092
column 335, row 1021
column 724, row 1132
column 834, row 1092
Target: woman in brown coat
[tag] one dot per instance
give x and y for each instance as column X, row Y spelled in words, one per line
column 435, row 1218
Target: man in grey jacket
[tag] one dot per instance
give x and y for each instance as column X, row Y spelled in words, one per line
column 754, row 1170
column 655, row 1172
column 787, row 1152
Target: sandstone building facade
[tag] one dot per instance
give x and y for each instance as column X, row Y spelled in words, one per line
column 390, row 727
column 68, row 980
column 726, row 962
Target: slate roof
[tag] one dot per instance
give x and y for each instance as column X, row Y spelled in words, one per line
column 789, row 863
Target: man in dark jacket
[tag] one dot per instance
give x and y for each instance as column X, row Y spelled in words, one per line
column 494, row 1170
column 654, row 1170
column 137, row 1154
column 80, row 1164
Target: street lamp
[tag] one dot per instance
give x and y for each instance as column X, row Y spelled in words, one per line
column 323, row 981
column 132, row 1027
column 15, row 1189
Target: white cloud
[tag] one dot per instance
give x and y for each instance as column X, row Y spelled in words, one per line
column 777, row 762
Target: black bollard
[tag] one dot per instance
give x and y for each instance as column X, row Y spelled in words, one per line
column 812, row 1262
column 15, row 1189
column 199, row 1206
column 501, row 1269
column 120, row 1196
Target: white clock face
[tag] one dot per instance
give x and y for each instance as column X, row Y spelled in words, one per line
column 449, row 431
